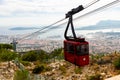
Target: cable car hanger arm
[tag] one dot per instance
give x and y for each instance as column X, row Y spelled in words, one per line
column 86, row 14
column 70, row 21
column 46, row 27
column 76, row 51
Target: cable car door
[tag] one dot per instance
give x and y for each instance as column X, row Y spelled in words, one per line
column 82, row 54
column 69, row 51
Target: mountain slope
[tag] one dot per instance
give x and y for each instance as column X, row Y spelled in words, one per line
column 105, row 24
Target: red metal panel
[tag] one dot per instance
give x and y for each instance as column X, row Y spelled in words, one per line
column 72, row 56
column 82, row 60
column 69, row 57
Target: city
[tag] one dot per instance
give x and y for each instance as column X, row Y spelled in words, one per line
column 99, row 42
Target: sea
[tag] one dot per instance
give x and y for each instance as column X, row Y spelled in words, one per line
column 53, row 32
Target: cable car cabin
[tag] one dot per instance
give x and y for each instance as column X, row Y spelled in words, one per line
column 76, row 52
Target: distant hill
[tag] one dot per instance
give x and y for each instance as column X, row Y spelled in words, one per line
column 23, row 28
column 31, row 28
column 105, row 24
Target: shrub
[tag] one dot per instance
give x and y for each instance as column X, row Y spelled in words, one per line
column 57, row 53
column 42, row 56
column 6, row 46
column 7, row 55
column 30, row 56
column 117, row 63
column 25, row 63
column 78, row 70
column 41, row 68
column 95, row 77
column 38, row 69
column 21, row 75
column 63, row 69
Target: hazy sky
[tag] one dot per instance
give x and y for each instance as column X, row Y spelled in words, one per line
column 44, row 12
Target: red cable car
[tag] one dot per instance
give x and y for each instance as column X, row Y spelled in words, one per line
column 76, row 50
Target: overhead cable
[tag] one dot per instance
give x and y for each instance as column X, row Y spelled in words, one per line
column 51, row 25
column 47, row 28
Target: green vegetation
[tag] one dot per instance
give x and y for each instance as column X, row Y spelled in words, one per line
column 62, row 69
column 21, row 75
column 38, row 69
column 6, row 46
column 57, row 53
column 30, row 56
column 41, row 68
column 117, row 63
column 78, row 70
column 99, row 63
column 25, row 63
column 7, row 55
column 42, row 56
column 95, row 77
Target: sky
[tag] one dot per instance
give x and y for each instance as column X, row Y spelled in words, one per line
column 26, row 13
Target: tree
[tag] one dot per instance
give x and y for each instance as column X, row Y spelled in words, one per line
column 57, row 53
column 6, row 46
column 7, row 55
column 30, row 56
column 117, row 63
column 42, row 56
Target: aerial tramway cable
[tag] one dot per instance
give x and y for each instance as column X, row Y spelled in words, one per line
column 98, row 9
column 47, row 28
column 51, row 25
column 76, row 49
column 91, row 12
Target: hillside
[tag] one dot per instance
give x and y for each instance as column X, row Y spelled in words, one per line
column 104, row 61
column 102, row 66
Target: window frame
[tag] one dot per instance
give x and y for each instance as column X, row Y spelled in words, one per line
column 70, row 48
column 82, row 51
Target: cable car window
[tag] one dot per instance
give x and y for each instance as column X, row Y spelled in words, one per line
column 82, row 50
column 69, row 48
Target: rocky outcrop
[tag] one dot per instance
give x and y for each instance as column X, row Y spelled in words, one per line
column 7, row 73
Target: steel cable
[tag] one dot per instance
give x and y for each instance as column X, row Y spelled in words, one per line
column 51, row 26
column 86, row 14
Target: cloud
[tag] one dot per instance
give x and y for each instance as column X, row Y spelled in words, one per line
column 51, row 6
column 30, row 7
column 31, row 12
